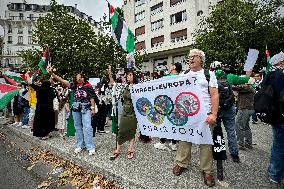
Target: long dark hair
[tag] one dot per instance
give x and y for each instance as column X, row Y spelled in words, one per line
column 82, row 75
column 135, row 76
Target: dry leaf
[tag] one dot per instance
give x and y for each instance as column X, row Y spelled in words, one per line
column 63, row 174
column 30, row 167
column 44, row 185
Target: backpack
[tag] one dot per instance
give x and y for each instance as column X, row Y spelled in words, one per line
column 268, row 107
column 226, row 99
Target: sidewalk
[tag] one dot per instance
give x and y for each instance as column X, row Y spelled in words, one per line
column 152, row 168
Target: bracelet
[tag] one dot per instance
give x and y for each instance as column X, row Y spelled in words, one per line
column 92, row 107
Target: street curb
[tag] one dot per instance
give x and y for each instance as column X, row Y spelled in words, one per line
column 108, row 175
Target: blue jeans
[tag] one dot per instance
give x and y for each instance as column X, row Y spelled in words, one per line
column 26, row 116
column 276, row 167
column 84, row 129
column 228, row 119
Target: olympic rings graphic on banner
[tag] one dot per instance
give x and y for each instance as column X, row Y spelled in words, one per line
column 187, row 103
column 155, row 117
column 143, row 106
column 176, row 118
column 163, row 104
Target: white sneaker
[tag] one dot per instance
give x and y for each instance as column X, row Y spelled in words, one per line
column 15, row 124
column 77, row 150
column 161, row 146
column 25, row 127
column 92, row 152
column 20, row 124
column 173, row 146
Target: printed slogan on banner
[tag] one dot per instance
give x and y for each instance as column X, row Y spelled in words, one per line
column 172, row 108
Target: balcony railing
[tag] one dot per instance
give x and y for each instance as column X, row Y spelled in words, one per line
column 20, row 32
column 10, row 42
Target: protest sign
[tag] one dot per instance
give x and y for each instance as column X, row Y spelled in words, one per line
column 172, row 108
column 251, row 59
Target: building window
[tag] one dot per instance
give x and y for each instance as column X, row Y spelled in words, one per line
column 178, row 36
column 140, row 31
column 139, row 2
column 157, row 9
column 10, row 40
column 31, row 17
column 30, row 40
column 20, row 30
column 21, row 16
column 157, row 25
column 20, row 40
column 176, row 2
column 10, row 29
column 140, row 46
column 30, row 30
column 157, row 41
column 139, row 16
column 178, row 17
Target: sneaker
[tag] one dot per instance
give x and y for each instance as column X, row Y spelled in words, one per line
column 15, row 124
column 236, row 158
column 92, row 152
column 273, row 181
column 25, row 127
column 77, row 150
column 103, row 132
column 161, row 146
column 19, row 125
column 173, row 146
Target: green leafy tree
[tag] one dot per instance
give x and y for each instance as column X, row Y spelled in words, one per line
column 235, row 26
column 74, row 46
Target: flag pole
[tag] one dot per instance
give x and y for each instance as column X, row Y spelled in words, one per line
column 116, row 108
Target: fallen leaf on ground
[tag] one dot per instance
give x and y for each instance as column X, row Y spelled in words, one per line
column 44, row 185
column 63, row 174
column 30, row 167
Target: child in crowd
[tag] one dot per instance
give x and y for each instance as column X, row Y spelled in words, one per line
column 63, row 110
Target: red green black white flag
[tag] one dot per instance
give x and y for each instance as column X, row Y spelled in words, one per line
column 120, row 31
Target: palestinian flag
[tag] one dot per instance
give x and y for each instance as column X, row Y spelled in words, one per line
column 44, row 61
column 7, row 93
column 14, row 78
column 268, row 65
column 120, row 32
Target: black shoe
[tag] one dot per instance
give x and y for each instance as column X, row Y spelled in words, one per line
column 236, row 158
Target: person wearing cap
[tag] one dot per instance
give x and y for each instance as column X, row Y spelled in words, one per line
column 175, row 69
column 276, row 165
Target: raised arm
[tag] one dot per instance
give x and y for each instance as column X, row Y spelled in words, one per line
column 58, row 78
column 29, row 81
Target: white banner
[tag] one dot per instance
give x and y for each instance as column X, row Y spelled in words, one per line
column 172, row 108
column 251, row 59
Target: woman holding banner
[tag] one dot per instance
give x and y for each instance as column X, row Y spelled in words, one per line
column 128, row 121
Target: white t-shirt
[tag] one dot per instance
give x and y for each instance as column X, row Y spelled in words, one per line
column 203, row 84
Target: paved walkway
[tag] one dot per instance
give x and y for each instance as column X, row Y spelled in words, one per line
column 152, row 168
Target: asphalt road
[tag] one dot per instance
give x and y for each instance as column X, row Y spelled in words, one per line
column 14, row 165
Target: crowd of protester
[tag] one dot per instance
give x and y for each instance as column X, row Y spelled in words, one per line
column 44, row 106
